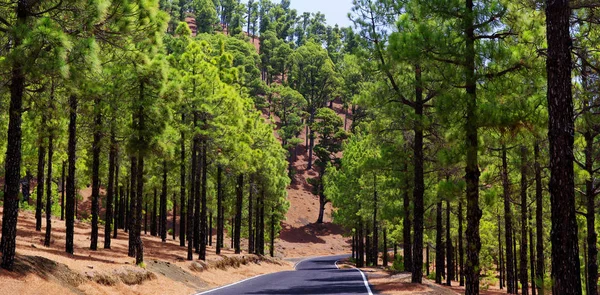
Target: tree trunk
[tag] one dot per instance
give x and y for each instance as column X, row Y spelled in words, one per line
column 368, row 252
column 118, row 190
column 49, row 188
column 163, row 205
column 174, row 229
column 419, row 184
column 123, row 207
column 112, row 154
column 592, row 250
column 272, row 235
column 190, row 206
column 406, row 230
column 210, row 228
column 261, row 236
column 532, row 258
column 146, row 218
column 375, row 223
column 500, row 256
column 69, row 208
column 40, row 174
column 220, row 219
column 461, row 250
column 311, row 139
column 449, row 250
column 360, row 262
column 62, row 192
column 127, row 205
column 139, row 245
column 385, row 253
column 565, row 252
column 474, row 213
column 510, row 275
column 439, row 256
column 238, row 212
column 539, row 249
column 182, row 210
column 197, row 187
column 193, row 210
column 132, row 207
column 12, row 163
column 523, row 246
column 250, row 201
column 96, row 149
column 203, row 210
column 153, row 219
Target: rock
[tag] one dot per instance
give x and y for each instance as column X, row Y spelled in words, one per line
column 90, row 266
column 33, row 246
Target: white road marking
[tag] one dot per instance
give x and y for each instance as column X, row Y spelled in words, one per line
column 233, row 284
column 305, row 259
column 365, row 281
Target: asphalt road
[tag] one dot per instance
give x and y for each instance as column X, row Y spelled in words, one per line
column 312, row 276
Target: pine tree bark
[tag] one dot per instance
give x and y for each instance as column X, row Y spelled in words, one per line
column 565, row 251
column 70, row 207
column 510, row 275
column 238, row 212
column 500, row 256
column 204, row 209
column 110, row 191
column 523, row 245
column 12, row 163
column 139, row 244
column 250, row 201
column 197, row 190
column 132, row 216
column 449, row 249
column 375, row 223
column 406, row 229
column 532, row 258
column 419, row 184
column 126, row 205
column 40, row 174
column 220, row 219
column 472, row 269
column 539, row 214
column 592, row 237
column 163, row 205
column 385, row 243
column 96, row 148
column 193, row 205
column 49, row 190
column 153, row 219
column 62, row 191
column 272, row 235
column 210, row 228
column 461, row 250
column 439, row 256
column 190, row 206
column 146, row 212
column 360, row 262
column 182, row 210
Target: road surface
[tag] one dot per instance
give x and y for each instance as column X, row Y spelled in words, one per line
column 312, row 276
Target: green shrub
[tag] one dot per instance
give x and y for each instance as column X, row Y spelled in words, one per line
column 398, row 264
column 431, row 275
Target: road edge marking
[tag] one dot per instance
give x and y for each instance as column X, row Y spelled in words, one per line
column 305, row 259
column 365, row 281
column 232, row 284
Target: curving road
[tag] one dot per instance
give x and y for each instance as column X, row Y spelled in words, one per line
column 312, row 276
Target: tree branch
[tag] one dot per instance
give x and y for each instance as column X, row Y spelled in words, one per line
column 578, row 4
column 504, row 72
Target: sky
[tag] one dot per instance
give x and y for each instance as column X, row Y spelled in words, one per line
column 335, row 11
